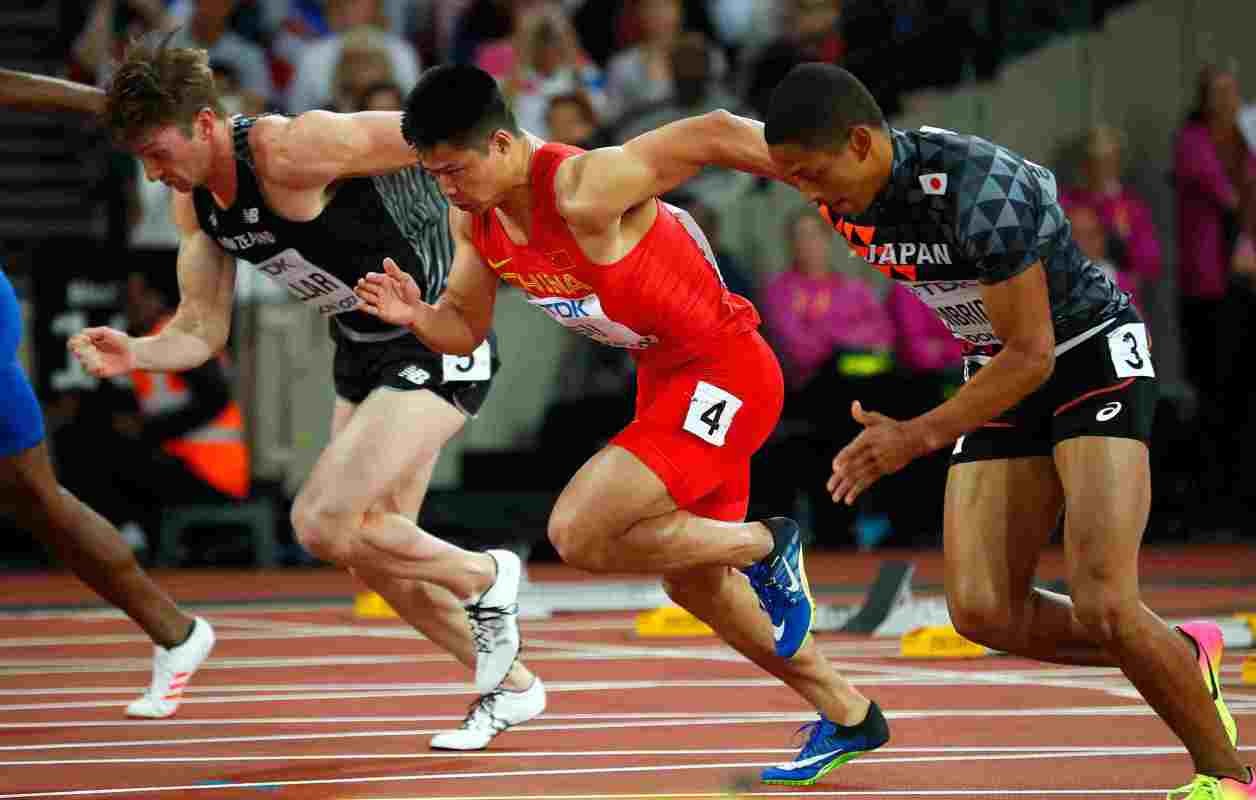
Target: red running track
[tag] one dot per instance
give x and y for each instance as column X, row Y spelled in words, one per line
column 309, row 702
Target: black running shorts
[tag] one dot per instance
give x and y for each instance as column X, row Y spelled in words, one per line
column 1103, row 385
column 405, row 364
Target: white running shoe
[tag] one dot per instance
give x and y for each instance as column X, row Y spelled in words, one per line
column 490, row 715
column 494, row 618
column 172, row 669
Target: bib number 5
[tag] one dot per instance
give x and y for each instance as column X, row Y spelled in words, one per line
column 711, row 412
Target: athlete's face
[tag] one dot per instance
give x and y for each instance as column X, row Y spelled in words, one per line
column 473, row 179
column 176, row 159
column 843, row 177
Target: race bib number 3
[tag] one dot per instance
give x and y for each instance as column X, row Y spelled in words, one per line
column 711, row 412
column 478, row 366
column 1131, row 357
column 310, row 284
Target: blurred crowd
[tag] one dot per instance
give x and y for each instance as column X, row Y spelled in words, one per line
column 594, row 72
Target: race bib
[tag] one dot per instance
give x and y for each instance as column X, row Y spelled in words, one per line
column 584, row 315
column 311, row 285
column 1131, row 357
column 477, row 366
column 958, row 304
column 711, row 412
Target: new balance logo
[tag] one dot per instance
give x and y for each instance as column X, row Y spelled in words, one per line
column 1108, row 412
column 415, row 375
column 251, row 216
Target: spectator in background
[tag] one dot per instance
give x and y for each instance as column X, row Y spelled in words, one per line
column 641, row 75
column 364, row 62
column 207, row 26
column 382, row 96
column 548, row 61
column 812, row 33
column 1212, row 166
column 315, row 62
column 1212, row 163
column 1236, row 351
column 1127, row 232
column 572, row 119
column 1095, row 241
column 835, row 339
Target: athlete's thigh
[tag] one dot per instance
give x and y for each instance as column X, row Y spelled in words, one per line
column 1107, row 488
column 999, row 514
column 612, row 491
column 386, row 437
column 27, row 480
column 406, row 496
column 697, row 426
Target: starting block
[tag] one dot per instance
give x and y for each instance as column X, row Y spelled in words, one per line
column 939, row 641
column 1249, row 671
column 1250, row 618
column 670, row 621
column 369, row 605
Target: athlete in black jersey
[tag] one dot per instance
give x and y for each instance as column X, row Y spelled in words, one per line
column 1056, row 409
column 316, row 202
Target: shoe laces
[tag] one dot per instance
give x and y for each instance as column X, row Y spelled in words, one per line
column 1204, row 787
column 481, row 713
column 487, row 623
column 814, row 733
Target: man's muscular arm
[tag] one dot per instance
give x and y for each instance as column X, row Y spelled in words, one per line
column 600, row 185
column 320, row 147
column 28, row 92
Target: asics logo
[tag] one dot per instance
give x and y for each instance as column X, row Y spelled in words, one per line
column 778, row 631
column 1108, row 412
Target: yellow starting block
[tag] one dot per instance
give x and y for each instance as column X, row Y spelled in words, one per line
column 370, row 605
column 1250, row 618
column 939, row 641
column 671, row 621
column 1249, row 670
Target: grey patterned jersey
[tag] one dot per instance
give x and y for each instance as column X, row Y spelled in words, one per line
column 402, row 216
column 959, row 212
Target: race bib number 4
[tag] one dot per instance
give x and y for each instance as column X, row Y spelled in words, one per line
column 1131, row 357
column 478, row 366
column 711, row 412
column 310, row 284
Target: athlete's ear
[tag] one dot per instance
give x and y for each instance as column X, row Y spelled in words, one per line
column 502, row 140
column 204, row 122
column 860, row 141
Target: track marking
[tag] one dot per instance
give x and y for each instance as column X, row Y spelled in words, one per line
column 950, row 753
column 444, row 776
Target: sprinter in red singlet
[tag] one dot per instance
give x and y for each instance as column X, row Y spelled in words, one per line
column 585, row 238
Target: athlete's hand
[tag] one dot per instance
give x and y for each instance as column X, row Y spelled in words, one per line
column 103, row 352
column 391, row 295
column 884, row 446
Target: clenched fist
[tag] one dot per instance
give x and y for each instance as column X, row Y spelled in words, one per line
column 103, row 352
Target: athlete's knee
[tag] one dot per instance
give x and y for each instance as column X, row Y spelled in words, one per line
column 1105, row 606
column 575, row 542
column 981, row 613
column 323, row 530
